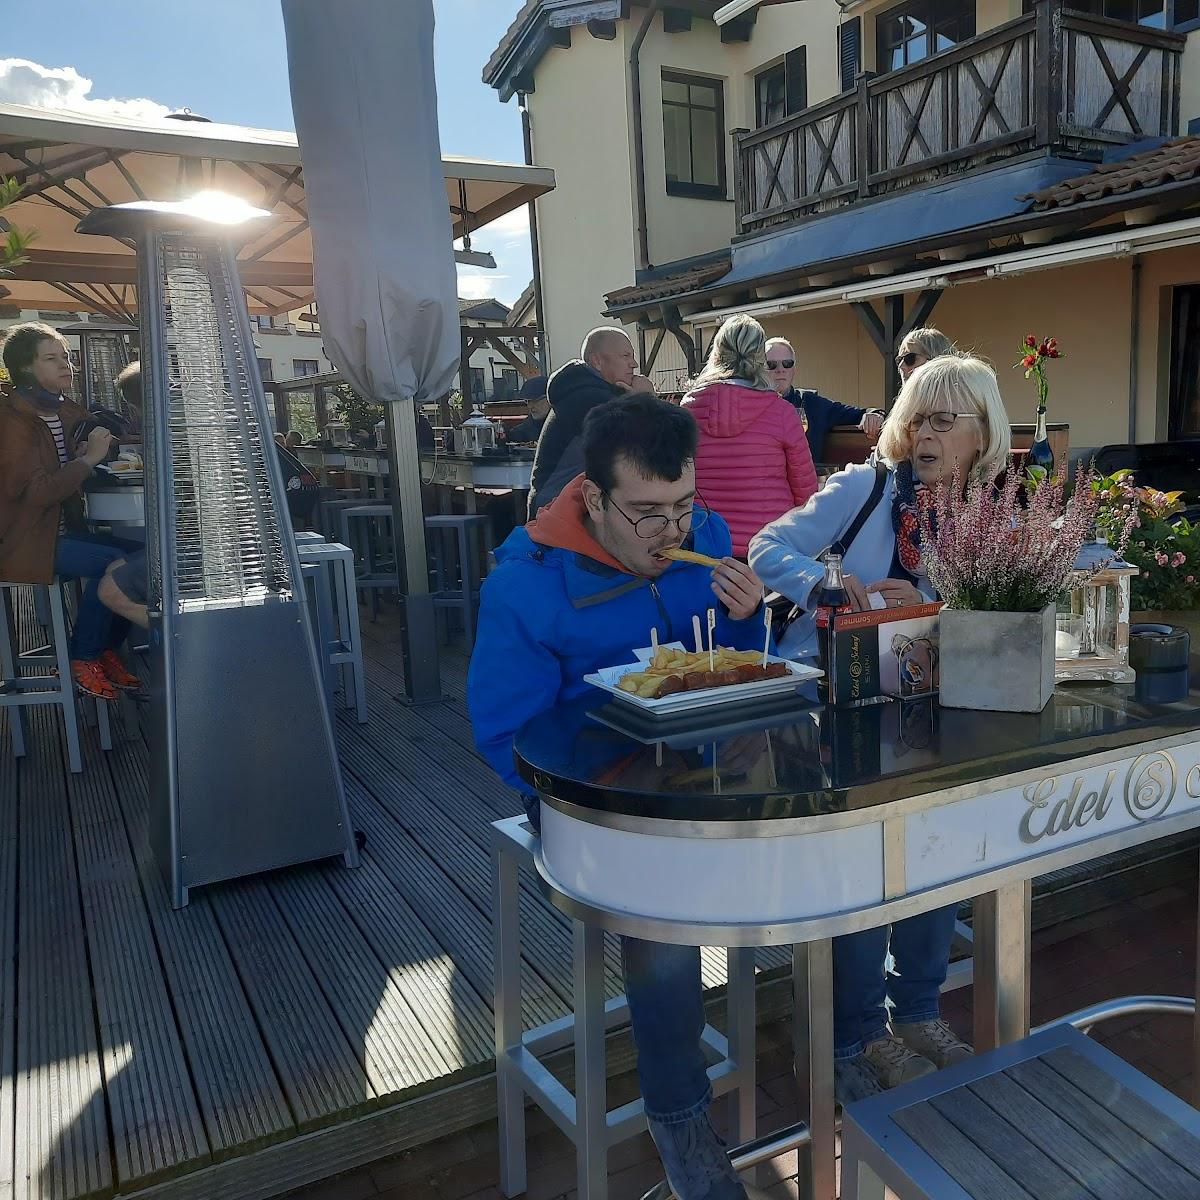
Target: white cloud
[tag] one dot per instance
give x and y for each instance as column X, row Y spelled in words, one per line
column 476, row 283
column 25, row 82
column 508, row 240
column 512, row 227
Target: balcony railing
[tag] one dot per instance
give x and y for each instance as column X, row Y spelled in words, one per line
column 1053, row 79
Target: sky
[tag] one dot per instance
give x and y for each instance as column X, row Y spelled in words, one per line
column 226, row 59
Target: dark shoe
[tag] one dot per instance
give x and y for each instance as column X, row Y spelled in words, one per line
column 695, row 1160
column 854, row 1079
column 936, row 1041
column 895, row 1063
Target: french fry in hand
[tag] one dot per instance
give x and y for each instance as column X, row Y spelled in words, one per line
column 692, row 556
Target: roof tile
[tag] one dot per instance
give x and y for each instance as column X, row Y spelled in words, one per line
column 1172, row 162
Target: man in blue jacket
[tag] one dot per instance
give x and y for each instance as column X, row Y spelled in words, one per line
column 580, row 588
column 818, row 413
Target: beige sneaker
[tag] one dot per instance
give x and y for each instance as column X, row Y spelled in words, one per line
column 895, row 1063
column 936, row 1041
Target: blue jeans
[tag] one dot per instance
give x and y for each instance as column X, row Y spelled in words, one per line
column 667, row 1014
column 87, row 556
column 862, row 989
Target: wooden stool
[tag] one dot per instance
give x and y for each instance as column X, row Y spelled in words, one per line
column 1051, row 1116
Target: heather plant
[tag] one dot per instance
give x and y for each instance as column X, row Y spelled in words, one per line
column 1006, row 547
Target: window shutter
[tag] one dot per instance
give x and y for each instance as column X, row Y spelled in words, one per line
column 849, row 50
column 795, row 73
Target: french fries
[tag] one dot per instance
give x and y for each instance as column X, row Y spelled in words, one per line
column 668, row 663
column 692, row 556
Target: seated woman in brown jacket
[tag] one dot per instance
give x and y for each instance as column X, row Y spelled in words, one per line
column 42, row 470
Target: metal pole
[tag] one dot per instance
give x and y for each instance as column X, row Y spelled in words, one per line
column 535, row 252
column 591, row 1078
column 418, row 633
column 812, row 979
column 510, row 1096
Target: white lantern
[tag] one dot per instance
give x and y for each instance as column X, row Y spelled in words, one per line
column 1092, row 637
column 478, row 433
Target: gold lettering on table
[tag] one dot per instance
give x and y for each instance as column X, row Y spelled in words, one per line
column 1072, row 810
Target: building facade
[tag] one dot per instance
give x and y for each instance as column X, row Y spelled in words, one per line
column 844, row 172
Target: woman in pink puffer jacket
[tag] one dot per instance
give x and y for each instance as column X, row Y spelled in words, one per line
column 753, row 463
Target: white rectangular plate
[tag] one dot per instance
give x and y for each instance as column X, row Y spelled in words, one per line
column 607, row 678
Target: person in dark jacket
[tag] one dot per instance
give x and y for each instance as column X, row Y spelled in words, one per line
column 533, row 392
column 604, row 369
column 575, row 590
column 818, row 413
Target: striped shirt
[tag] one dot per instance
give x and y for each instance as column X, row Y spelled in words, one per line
column 55, row 425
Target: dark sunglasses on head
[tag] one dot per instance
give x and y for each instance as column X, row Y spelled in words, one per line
column 785, row 363
column 909, row 359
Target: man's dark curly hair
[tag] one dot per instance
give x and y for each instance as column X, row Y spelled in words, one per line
column 21, row 347
column 658, row 439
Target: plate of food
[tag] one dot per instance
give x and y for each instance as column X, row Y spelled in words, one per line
column 671, row 679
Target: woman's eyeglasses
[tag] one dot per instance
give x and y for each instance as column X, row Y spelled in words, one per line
column 909, row 359
column 784, row 364
column 939, row 422
column 651, row 526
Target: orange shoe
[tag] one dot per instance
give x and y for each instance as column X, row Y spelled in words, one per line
column 90, row 679
column 116, row 674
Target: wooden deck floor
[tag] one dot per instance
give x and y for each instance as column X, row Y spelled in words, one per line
column 279, row 1029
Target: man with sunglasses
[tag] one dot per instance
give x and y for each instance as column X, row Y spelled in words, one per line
column 579, row 588
column 818, row 413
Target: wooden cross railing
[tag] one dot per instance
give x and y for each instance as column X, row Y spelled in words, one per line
column 1053, row 79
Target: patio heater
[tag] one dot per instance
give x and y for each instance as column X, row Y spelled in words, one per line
column 104, row 352
column 244, row 774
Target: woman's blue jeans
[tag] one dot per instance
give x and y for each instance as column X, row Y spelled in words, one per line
column 88, row 556
column 863, row 990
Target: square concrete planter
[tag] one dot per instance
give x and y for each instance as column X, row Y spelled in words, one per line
column 997, row 661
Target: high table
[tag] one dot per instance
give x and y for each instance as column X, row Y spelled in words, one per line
column 791, row 824
column 116, row 501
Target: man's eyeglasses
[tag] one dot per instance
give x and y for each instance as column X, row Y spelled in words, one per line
column 785, row 364
column 939, row 422
column 909, row 359
column 651, row 526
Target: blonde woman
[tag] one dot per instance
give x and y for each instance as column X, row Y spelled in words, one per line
column 753, row 463
column 949, row 414
column 919, row 347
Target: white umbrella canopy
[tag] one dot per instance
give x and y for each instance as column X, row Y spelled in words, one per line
column 72, row 162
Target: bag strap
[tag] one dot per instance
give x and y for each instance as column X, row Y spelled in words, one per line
column 881, row 475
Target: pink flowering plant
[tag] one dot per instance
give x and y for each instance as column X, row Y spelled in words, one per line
column 1164, row 546
column 1006, row 547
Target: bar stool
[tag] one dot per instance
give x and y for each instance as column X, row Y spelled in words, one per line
column 341, row 644
column 330, row 513
column 305, row 537
column 321, row 608
column 56, row 686
column 358, row 524
column 462, row 543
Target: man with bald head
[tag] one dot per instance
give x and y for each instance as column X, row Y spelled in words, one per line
column 818, row 413
column 604, row 369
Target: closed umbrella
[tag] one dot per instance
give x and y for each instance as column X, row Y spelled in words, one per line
column 365, row 106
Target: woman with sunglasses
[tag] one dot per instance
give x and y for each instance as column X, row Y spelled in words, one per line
column 948, row 416
column 919, row 347
column 753, row 463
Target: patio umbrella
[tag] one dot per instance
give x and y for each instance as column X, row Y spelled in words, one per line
column 365, row 106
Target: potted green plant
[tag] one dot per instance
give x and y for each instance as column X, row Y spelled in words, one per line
column 1000, row 556
column 1163, row 545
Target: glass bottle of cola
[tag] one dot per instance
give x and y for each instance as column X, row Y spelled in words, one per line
column 831, row 599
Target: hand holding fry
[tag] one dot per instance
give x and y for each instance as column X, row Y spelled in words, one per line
column 738, row 588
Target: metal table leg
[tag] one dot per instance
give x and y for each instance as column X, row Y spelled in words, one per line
column 812, row 978
column 1002, row 944
column 510, row 1095
column 591, row 1078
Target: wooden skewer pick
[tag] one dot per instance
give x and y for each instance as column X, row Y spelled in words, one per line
column 712, row 624
column 766, row 633
column 654, row 640
column 696, row 632
column 658, row 754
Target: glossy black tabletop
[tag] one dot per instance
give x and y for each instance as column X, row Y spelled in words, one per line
column 795, row 758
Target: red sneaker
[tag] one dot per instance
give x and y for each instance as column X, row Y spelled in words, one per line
column 91, row 680
column 116, row 674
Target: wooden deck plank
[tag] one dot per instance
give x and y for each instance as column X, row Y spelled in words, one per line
column 445, row 909
column 365, row 994
column 317, row 1067
column 8, row 959
column 241, row 1101
column 156, row 1125
column 448, row 1008
column 62, row 1139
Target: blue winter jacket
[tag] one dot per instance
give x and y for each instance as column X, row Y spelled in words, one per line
column 549, row 616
